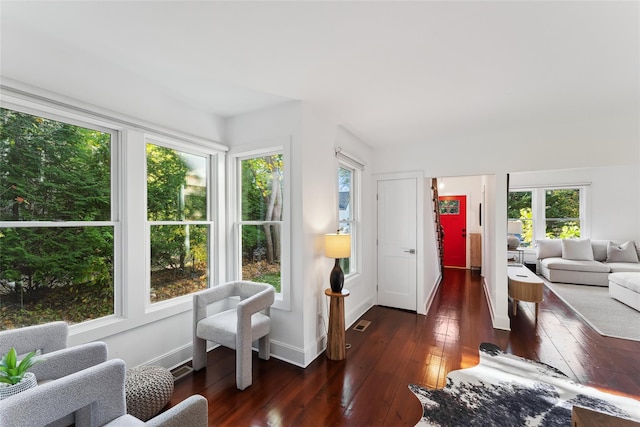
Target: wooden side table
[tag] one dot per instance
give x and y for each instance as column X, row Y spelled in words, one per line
column 336, row 345
column 524, row 286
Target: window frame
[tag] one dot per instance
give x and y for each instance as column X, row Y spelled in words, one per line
column 234, row 204
column 538, row 208
column 210, row 221
column 45, row 110
column 355, row 204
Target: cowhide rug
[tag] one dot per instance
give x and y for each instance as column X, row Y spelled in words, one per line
column 507, row 390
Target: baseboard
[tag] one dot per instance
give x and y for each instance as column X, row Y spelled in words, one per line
column 502, row 323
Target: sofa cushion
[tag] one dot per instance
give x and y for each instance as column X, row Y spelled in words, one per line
column 625, row 252
column 600, row 249
column 577, row 249
column 623, row 267
column 572, row 265
column 548, row 248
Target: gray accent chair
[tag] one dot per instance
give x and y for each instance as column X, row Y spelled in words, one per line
column 49, row 340
column 231, row 325
column 100, row 392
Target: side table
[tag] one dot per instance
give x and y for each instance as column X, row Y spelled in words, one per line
column 336, row 345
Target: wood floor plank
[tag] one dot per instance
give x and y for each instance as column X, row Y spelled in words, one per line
column 370, row 387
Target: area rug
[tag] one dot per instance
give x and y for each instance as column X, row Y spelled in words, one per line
column 606, row 315
column 507, row 390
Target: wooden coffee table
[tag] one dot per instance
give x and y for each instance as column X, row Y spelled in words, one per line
column 524, row 285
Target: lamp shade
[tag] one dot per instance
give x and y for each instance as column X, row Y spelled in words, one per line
column 337, row 245
column 514, row 227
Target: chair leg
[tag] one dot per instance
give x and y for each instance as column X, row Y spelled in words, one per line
column 243, row 366
column 199, row 354
column 264, row 347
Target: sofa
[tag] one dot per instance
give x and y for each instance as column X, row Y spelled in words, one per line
column 585, row 261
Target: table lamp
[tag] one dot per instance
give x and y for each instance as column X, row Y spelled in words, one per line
column 514, row 232
column 337, row 246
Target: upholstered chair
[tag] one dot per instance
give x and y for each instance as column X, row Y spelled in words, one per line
column 97, row 396
column 50, row 341
column 234, row 315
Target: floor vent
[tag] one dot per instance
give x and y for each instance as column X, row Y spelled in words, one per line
column 361, row 325
column 181, row 372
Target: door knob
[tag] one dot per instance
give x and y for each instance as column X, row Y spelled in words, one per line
column 411, row 251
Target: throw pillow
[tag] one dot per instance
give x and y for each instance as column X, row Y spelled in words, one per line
column 548, row 248
column 577, row 250
column 625, row 252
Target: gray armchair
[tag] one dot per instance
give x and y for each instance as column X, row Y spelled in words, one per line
column 97, row 396
column 50, row 341
column 234, row 327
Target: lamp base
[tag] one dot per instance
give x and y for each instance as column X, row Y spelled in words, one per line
column 512, row 242
column 337, row 277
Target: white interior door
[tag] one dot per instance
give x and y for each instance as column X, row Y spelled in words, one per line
column 397, row 240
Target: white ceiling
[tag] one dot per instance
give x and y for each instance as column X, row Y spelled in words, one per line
column 394, row 72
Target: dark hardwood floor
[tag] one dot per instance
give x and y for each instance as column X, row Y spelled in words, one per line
column 369, row 388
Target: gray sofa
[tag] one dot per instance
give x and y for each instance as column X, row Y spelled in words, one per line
column 585, row 261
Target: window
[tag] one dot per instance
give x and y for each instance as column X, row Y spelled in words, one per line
column 58, row 221
column 549, row 213
column 260, row 215
column 179, row 229
column 348, row 178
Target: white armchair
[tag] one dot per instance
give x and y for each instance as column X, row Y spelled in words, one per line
column 97, row 396
column 234, row 327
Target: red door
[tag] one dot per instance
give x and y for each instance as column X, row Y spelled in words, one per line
column 453, row 217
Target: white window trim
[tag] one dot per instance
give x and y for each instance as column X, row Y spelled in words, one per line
column 212, row 209
column 354, row 222
column 280, row 146
column 538, row 207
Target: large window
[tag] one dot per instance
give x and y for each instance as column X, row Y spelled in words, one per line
column 260, row 218
column 57, row 220
column 348, row 178
column 551, row 212
column 179, row 226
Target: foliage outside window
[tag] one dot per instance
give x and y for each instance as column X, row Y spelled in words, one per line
column 261, row 218
column 347, row 213
column 551, row 213
column 519, row 207
column 178, row 222
column 57, row 234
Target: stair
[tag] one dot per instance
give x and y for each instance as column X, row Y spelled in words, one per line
column 438, row 225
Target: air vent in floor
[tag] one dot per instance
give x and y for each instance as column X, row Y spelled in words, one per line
column 361, row 325
column 181, row 372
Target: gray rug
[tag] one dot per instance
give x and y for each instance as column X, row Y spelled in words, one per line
column 606, row 315
column 507, row 390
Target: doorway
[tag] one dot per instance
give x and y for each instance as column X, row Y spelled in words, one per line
column 453, row 218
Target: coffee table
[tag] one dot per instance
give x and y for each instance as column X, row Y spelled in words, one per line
column 524, row 285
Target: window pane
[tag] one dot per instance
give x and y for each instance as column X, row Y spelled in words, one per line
column 178, row 260
column 49, row 274
column 562, row 213
column 519, row 207
column 344, row 194
column 262, row 181
column 53, row 171
column 345, row 263
column 261, row 253
column 176, row 185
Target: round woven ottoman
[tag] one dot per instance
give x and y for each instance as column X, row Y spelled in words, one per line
column 148, row 389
